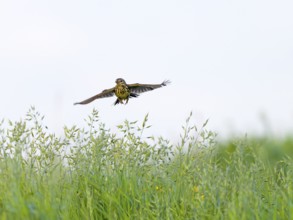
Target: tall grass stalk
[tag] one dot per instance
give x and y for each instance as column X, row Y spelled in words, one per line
column 93, row 173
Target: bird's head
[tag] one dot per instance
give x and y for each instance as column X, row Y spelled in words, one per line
column 120, row 81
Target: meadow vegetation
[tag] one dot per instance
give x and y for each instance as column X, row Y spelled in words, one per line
column 93, row 173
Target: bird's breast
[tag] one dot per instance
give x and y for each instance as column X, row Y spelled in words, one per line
column 122, row 91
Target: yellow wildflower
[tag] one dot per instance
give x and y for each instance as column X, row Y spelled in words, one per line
column 195, row 189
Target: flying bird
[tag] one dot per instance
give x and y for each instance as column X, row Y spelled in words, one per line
column 124, row 91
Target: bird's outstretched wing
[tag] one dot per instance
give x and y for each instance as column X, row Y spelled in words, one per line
column 104, row 94
column 140, row 88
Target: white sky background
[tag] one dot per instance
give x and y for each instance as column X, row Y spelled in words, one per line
column 229, row 61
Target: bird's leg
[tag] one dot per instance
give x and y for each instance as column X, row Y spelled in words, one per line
column 126, row 101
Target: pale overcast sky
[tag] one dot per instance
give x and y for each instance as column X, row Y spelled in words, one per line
column 229, row 61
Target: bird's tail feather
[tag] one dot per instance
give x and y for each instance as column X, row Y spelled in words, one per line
column 131, row 95
column 116, row 102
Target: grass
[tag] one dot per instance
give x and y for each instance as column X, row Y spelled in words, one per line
column 92, row 173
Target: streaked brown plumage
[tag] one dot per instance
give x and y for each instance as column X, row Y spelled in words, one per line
column 124, row 91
